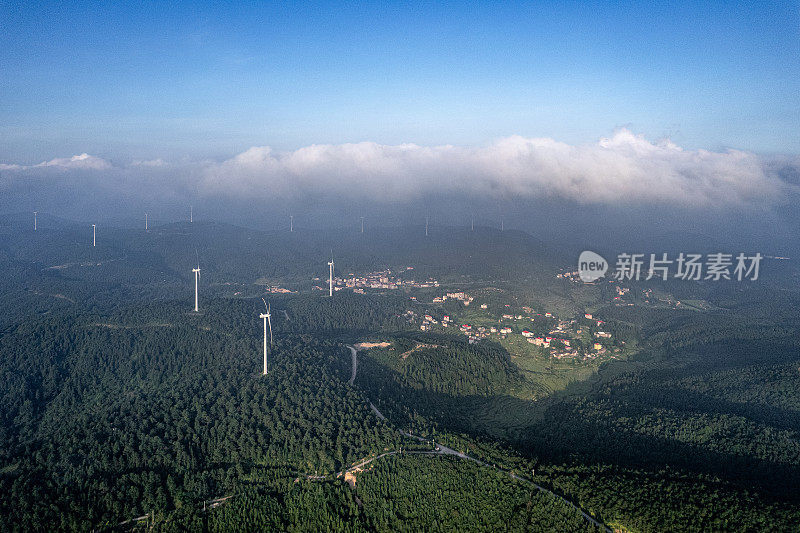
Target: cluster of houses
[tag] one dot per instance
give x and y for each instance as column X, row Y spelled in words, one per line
column 274, row 289
column 383, row 279
column 647, row 295
column 571, row 276
column 559, row 338
column 463, row 297
column 473, row 334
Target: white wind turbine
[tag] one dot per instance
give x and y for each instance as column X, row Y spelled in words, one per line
column 196, row 276
column 145, row 221
column 291, row 223
column 362, row 224
column 94, row 234
column 330, row 279
column 426, row 226
column 34, row 220
column 267, row 320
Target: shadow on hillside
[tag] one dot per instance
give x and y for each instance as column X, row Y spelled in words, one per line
column 567, row 428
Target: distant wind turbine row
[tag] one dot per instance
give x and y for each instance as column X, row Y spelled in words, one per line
column 291, row 223
column 427, row 224
column 265, row 316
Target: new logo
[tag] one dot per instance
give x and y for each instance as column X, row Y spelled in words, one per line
column 591, row 266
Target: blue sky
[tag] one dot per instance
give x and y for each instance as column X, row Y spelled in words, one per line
column 143, row 81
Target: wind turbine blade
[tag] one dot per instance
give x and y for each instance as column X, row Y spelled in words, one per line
column 270, row 331
column 265, row 304
column 269, row 321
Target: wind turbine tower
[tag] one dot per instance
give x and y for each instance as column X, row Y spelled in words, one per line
column 291, row 223
column 34, row 220
column 362, row 224
column 426, row 226
column 267, row 320
column 145, row 221
column 473, row 223
column 196, row 275
column 330, row 279
column 191, row 214
column 94, row 234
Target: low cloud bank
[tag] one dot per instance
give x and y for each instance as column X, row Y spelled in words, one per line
column 624, row 169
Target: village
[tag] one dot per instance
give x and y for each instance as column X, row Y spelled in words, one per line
column 521, row 329
column 381, row 279
column 579, row 338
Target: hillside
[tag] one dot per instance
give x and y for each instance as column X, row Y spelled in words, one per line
column 120, row 403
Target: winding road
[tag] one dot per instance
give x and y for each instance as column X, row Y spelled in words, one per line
column 354, row 352
column 439, row 451
column 444, row 450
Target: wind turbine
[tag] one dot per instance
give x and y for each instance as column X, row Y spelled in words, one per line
column 473, row 223
column 266, row 317
column 426, row 226
column 502, row 225
column 291, row 223
column 145, row 221
column 362, row 224
column 330, row 279
column 196, row 276
column 34, row 220
column 94, row 234
column 191, row 214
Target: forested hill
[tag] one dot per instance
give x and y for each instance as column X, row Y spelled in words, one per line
column 106, row 419
column 119, row 402
column 231, row 253
column 153, row 411
column 699, row 431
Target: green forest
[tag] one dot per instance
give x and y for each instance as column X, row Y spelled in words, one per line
column 123, row 410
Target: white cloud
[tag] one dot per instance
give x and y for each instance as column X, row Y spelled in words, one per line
column 624, row 168
column 82, row 161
